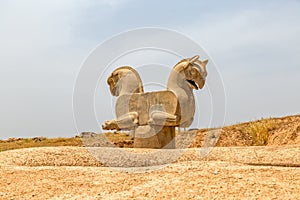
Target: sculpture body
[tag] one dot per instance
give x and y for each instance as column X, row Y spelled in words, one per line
column 153, row 116
column 122, row 81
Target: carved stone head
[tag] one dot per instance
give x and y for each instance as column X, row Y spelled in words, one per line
column 196, row 72
column 124, row 80
column 193, row 71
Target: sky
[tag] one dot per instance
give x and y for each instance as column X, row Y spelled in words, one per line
column 255, row 45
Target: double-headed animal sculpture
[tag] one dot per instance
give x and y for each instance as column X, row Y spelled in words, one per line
column 174, row 107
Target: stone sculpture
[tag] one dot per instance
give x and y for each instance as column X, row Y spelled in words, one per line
column 153, row 116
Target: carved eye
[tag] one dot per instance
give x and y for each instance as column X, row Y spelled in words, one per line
column 194, row 71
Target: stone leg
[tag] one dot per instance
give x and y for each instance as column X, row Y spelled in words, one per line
column 157, row 137
column 162, row 118
column 127, row 121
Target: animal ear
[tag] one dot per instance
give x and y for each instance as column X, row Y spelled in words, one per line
column 185, row 63
column 109, row 80
column 194, row 58
column 205, row 61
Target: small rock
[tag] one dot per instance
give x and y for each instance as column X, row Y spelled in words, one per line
column 87, row 134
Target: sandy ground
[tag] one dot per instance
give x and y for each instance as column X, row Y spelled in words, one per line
column 225, row 173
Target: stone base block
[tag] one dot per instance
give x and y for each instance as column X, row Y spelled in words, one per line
column 157, row 137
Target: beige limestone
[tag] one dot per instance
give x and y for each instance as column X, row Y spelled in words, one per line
column 173, row 107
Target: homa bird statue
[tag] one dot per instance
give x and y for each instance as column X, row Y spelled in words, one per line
column 156, row 112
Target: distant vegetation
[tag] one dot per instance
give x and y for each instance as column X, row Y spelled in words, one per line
column 117, row 138
column 17, row 143
column 273, row 131
column 260, row 131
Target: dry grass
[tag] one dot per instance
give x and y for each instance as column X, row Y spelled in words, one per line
column 260, row 131
column 18, row 143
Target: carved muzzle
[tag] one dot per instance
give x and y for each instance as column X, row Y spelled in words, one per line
column 112, row 81
column 196, row 72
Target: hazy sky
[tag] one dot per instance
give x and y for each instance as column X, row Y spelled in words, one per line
column 255, row 45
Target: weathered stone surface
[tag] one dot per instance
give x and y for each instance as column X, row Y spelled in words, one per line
column 145, row 112
column 154, row 137
column 146, row 104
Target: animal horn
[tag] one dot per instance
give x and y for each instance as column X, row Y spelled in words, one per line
column 205, row 61
column 193, row 59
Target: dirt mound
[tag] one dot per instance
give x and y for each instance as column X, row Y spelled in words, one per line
column 116, row 157
column 225, row 173
column 189, row 180
column 273, row 131
column 288, row 131
column 49, row 156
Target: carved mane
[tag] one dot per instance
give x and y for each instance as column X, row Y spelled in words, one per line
column 121, row 73
column 140, row 83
